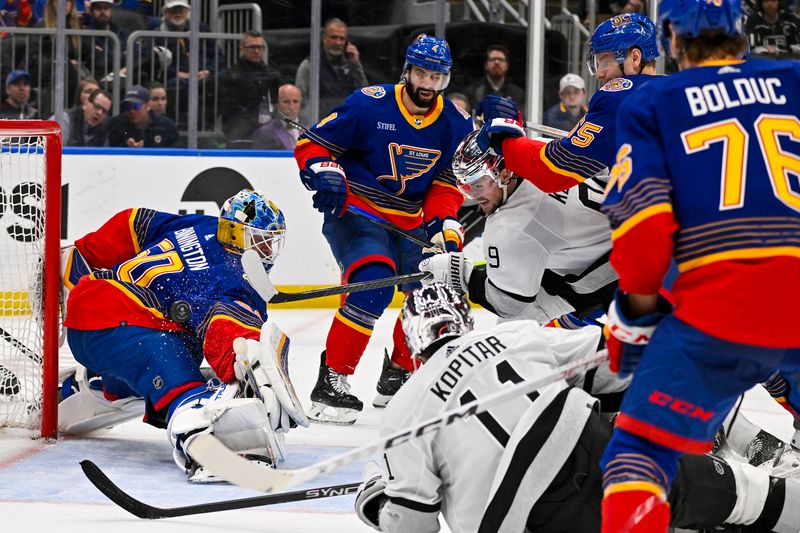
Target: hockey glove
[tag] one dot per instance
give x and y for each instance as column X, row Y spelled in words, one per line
column 628, row 337
column 449, row 268
column 448, row 234
column 501, row 119
column 327, row 178
column 370, row 497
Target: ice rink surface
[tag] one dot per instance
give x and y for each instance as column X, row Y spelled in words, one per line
column 42, row 488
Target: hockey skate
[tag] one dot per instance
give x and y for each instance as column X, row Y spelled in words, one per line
column 390, row 382
column 331, row 401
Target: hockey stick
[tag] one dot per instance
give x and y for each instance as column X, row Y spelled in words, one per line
column 21, row 347
column 212, row 454
column 143, row 510
column 541, row 128
column 385, row 224
column 259, row 280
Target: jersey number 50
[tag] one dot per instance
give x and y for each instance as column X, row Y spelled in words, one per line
column 735, row 138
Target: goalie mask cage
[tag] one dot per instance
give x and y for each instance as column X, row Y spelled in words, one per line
column 30, row 233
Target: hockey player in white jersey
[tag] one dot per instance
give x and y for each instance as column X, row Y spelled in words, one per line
column 534, row 462
column 530, row 236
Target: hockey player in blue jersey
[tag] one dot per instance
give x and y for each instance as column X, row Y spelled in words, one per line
column 706, row 176
column 152, row 294
column 622, row 55
column 386, row 150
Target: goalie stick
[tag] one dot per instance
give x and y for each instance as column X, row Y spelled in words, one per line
column 212, row 454
column 149, row 512
column 21, row 347
column 259, row 280
column 547, row 130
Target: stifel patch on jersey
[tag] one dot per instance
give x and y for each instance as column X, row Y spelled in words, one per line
column 616, row 85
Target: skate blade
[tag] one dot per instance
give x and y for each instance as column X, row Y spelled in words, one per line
column 326, row 414
column 381, row 400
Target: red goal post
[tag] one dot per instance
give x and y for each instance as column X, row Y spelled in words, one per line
column 30, row 242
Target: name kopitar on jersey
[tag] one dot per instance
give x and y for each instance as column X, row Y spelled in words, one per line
column 467, row 357
column 191, row 249
column 715, row 97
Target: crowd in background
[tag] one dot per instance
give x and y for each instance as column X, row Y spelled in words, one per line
column 256, row 104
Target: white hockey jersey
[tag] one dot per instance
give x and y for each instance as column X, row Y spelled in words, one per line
column 533, row 231
column 456, row 469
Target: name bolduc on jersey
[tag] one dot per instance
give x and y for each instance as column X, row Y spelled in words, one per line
column 398, row 165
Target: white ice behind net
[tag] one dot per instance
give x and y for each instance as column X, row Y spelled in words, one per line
column 22, row 212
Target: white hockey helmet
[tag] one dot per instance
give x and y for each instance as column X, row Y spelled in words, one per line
column 475, row 169
column 433, row 314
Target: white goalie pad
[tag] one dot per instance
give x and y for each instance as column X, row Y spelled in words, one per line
column 88, row 410
column 268, row 360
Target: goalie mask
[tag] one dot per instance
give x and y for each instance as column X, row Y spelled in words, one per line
column 432, row 315
column 249, row 220
column 478, row 172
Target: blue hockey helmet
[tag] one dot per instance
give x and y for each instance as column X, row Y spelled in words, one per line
column 689, row 17
column 250, row 220
column 430, row 53
column 621, row 33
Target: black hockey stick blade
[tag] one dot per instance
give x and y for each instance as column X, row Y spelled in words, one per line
column 21, row 347
column 385, row 224
column 259, row 280
column 148, row 512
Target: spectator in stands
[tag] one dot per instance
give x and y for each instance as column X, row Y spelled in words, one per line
column 43, row 55
column 340, row 71
column 772, row 31
column 462, row 102
column 16, row 13
column 279, row 134
column 97, row 53
column 87, row 124
column 18, row 95
column 496, row 79
column 176, row 19
column 250, row 90
column 572, row 106
column 158, row 97
column 137, row 126
column 85, row 87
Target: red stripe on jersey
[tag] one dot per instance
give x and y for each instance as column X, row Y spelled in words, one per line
column 98, row 304
column 442, row 200
column 731, row 300
column 523, row 157
column 407, row 221
column 112, row 243
column 661, row 436
column 218, row 345
column 306, row 150
column 641, row 256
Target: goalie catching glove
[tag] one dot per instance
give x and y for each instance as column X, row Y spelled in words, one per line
column 628, row 337
column 451, row 268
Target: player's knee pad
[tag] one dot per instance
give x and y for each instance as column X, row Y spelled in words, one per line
column 371, row 303
column 704, row 491
column 241, row 424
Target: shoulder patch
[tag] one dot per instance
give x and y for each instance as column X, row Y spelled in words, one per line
column 327, row 119
column 617, row 84
column 374, row 91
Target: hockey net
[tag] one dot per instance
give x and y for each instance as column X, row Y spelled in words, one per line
column 30, row 231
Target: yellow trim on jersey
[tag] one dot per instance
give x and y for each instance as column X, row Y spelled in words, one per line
column 68, row 270
column 719, row 62
column 742, row 253
column 627, row 486
column 557, row 170
column 303, row 141
column 424, row 120
column 136, row 299
column 416, row 213
column 235, row 321
column 626, row 226
column 349, row 323
column 444, row 183
column 136, row 246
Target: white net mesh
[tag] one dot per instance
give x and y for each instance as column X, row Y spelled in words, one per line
column 22, row 214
